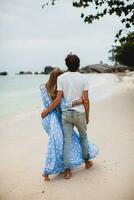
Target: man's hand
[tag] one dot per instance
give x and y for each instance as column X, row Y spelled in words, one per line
column 86, row 104
column 87, row 119
column 44, row 113
column 81, row 100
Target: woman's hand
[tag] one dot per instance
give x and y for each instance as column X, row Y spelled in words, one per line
column 44, row 113
column 77, row 102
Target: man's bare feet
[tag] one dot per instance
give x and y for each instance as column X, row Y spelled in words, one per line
column 68, row 174
column 46, row 177
column 88, row 164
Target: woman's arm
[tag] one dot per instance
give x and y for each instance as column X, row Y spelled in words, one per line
column 66, row 105
column 53, row 105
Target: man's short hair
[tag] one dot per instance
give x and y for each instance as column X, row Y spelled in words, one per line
column 72, row 62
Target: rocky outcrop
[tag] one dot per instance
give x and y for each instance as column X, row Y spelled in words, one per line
column 3, row 73
column 121, row 68
column 23, row 72
column 48, row 69
column 98, row 68
column 103, row 68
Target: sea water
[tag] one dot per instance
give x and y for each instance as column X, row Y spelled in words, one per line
column 20, row 92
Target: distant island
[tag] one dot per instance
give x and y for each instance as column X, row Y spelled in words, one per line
column 3, row 73
column 95, row 68
column 47, row 70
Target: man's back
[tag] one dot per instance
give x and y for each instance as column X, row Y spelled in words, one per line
column 73, row 84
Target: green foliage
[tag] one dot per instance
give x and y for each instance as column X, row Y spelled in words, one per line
column 124, row 9
column 124, row 52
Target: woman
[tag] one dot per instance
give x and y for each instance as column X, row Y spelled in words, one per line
column 53, row 126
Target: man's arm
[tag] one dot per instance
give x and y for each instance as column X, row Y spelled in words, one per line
column 86, row 104
column 53, row 105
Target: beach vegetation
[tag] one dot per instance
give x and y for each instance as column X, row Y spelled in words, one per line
column 123, row 53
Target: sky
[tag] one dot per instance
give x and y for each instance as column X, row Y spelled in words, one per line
column 32, row 37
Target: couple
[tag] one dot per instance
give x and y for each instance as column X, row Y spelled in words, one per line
column 66, row 105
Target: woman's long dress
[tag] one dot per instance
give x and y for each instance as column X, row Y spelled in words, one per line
column 53, row 127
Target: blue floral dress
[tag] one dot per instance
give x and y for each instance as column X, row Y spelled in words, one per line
column 53, row 127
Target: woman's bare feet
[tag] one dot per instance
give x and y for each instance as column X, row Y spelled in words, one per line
column 68, row 174
column 88, row 164
column 46, row 177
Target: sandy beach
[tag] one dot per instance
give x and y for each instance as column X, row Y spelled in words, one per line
column 23, row 144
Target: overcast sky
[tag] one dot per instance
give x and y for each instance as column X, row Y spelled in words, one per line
column 33, row 37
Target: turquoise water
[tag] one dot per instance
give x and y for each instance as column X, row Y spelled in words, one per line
column 18, row 93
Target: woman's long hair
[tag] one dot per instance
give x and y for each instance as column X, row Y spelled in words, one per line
column 51, row 84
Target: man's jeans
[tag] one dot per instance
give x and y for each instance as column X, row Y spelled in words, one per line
column 71, row 118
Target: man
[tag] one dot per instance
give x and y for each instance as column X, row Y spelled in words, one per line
column 73, row 85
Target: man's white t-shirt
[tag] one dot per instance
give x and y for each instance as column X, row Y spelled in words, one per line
column 73, row 84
